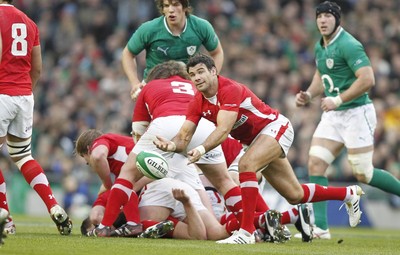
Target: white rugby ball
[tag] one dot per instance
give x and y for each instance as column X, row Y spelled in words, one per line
column 152, row 164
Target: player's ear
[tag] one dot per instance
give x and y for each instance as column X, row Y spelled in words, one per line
column 214, row 71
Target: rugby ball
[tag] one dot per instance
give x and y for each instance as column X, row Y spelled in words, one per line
column 152, row 164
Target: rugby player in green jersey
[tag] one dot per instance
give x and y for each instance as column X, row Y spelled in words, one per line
column 175, row 35
column 344, row 74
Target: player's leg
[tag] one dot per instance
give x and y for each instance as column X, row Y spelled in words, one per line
column 326, row 144
column 19, row 149
column 120, row 195
column 359, row 143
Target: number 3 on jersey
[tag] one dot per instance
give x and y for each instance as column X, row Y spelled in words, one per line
column 19, row 45
column 182, row 87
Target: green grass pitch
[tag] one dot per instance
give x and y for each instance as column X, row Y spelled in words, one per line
column 39, row 236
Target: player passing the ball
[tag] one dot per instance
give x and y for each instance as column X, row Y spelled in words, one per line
column 265, row 132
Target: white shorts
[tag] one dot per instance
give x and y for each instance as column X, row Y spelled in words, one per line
column 16, row 115
column 168, row 127
column 159, row 193
column 353, row 127
column 281, row 129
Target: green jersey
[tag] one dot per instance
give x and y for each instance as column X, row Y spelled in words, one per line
column 161, row 45
column 337, row 64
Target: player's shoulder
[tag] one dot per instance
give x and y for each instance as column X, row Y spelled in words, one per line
column 153, row 24
column 347, row 40
column 197, row 21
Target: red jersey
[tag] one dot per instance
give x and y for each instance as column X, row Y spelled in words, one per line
column 163, row 97
column 19, row 35
column 231, row 148
column 119, row 147
column 253, row 114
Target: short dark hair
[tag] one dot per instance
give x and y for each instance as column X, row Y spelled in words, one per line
column 85, row 226
column 85, row 140
column 185, row 3
column 167, row 69
column 201, row 58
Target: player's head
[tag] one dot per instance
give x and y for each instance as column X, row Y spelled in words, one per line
column 201, row 58
column 168, row 69
column 86, row 226
column 185, row 5
column 329, row 7
column 85, row 140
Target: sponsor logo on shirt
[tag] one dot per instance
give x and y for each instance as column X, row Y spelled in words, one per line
column 231, row 105
column 207, row 113
column 191, row 50
column 329, row 63
column 240, row 122
column 359, row 61
column 163, row 50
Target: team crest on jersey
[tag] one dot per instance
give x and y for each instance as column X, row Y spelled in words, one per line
column 329, row 63
column 191, row 50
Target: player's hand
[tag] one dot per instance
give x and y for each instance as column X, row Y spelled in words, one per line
column 194, row 155
column 180, row 195
column 302, row 98
column 136, row 90
column 164, row 144
column 330, row 103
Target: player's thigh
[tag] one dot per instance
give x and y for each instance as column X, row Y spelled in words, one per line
column 359, row 127
column 20, row 125
column 281, row 176
column 260, row 153
column 156, row 213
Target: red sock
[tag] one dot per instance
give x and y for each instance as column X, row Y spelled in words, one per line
column 316, row 193
column 289, row 216
column 261, row 204
column 131, row 209
column 249, row 187
column 232, row 225
column 3, row 196
column 119, row 196
column 35, row 177
column 233, row 201
column 170, row 234
column 227, row 217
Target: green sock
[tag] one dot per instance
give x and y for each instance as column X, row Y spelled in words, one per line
column 385, row 181
column 320, row 208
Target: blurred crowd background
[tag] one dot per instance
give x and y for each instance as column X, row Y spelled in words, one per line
column 268, row 46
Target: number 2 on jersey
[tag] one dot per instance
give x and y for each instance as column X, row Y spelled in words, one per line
column 19, row 45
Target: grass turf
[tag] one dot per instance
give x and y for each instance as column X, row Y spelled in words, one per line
column 39, row 236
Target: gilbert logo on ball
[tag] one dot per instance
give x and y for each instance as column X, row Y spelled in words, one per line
column 152, row 164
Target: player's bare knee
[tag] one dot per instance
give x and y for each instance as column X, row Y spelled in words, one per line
column 294, row 199
column 361, row 165
column 20, row 152
column 246, row 166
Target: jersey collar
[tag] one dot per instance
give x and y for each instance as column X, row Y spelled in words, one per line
column 169, row 31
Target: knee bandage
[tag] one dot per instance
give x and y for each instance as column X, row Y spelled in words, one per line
column 322, row 153
column 20, row 150
column 362, row 164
